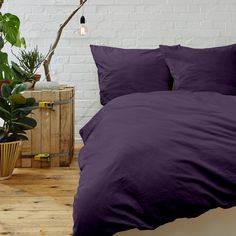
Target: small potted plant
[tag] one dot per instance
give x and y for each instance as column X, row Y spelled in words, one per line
column 14, row 111
column 19, row 76
column 29, row 63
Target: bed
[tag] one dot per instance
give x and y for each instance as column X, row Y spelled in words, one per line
column 182, row 165
column 163, row 159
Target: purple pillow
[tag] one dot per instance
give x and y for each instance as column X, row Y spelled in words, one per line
column 211, row 69
column 125, row 71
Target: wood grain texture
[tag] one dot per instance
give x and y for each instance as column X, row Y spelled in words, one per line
column 36, row 202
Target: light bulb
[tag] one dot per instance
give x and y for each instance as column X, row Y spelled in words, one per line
column 83, row 30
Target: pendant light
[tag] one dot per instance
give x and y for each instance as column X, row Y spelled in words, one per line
column 83, row 30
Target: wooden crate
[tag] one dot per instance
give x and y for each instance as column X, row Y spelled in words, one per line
column 54, row 133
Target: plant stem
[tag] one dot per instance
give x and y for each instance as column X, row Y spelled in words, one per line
column 50, row 54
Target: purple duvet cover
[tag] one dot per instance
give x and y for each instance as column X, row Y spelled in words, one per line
column 152, row 158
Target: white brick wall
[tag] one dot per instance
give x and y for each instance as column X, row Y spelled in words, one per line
column 121, row 23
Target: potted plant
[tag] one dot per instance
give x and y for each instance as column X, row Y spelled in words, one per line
column 14, row 111
column 29, row 63
column 9, row 34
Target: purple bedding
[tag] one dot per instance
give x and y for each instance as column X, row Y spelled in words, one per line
column 152, row 158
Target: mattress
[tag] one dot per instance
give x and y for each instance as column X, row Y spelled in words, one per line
column 216, row 222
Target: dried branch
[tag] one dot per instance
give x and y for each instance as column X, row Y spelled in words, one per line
column 50, row 54
column 1, row 3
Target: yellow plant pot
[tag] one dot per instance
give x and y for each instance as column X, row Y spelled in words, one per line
column 9, row 152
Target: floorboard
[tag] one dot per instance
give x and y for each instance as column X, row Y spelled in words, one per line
column 38, row 202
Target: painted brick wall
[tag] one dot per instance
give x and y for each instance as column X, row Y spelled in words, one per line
column 121, row 23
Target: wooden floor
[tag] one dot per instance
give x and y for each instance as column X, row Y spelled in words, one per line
column 38, row 202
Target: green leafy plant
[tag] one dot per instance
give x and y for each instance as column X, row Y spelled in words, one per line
column 14, row 110
column 19, row 75
column 29, row 62
column 9, row 34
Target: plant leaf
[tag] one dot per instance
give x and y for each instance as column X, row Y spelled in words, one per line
column 6, row 91
column 23, row 42
column 27, row 123
column 26, row 109
column 12, row 18
column 18, row 40
column 17, row 99
column 16, row 136
column 19, row 88
column 19, row 75
column 4, row 104
column 3, row 58
column 2, row 130
column 7, row 72
column 1, row 42
column 4, row 114
column 31, row 101
column 10, row 28
column 2, row 133
column 23, row 111
column 17, row 129
column 11, row 32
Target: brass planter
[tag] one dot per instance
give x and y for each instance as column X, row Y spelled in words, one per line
column 9, row 152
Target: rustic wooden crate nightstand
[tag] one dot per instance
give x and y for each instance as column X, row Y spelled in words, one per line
column 51, row 143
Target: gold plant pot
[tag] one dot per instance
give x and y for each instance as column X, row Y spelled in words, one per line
column 9, row 152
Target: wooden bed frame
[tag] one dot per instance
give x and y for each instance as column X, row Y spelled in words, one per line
column 216, row 222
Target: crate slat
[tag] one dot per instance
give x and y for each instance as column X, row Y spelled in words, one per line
column 46, row 127
column 36, row 134
column 66, row 116
column 26, row 162
column 55, row 130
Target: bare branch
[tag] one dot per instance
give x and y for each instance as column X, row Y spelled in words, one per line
column 2, row 1
column 50, row 54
